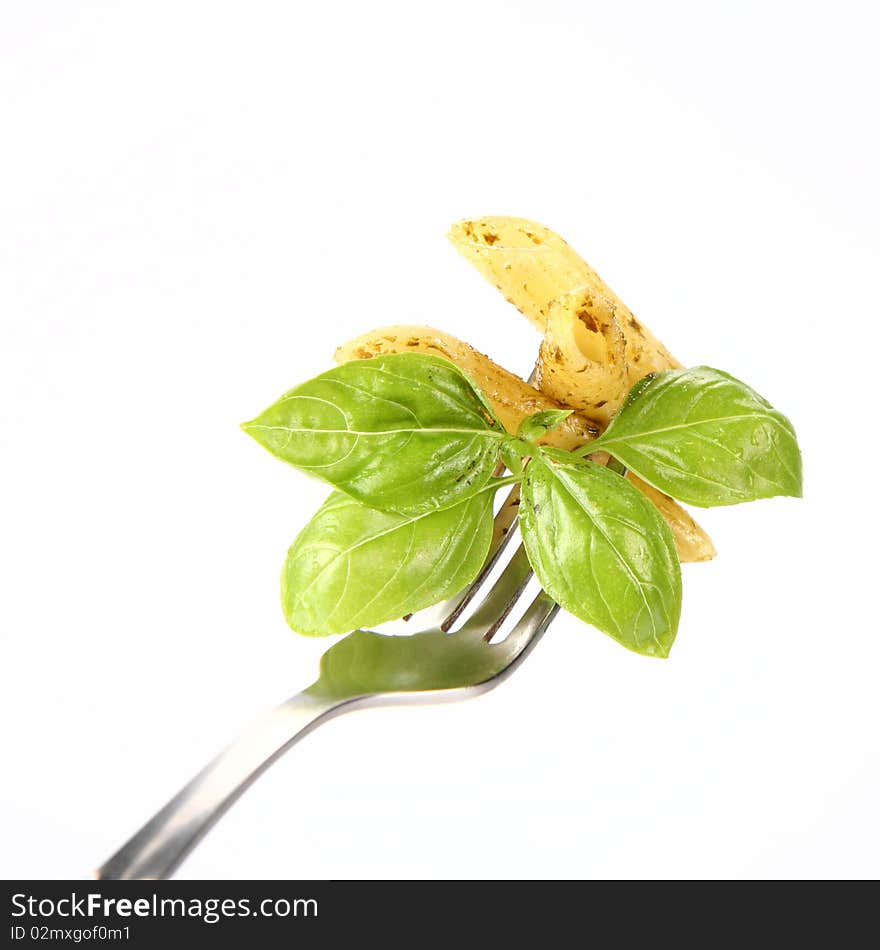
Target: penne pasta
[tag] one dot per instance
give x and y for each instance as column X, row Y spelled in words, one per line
column 512, row 399
column 593, row 349
column 532, row 266
column 691, row 541
column 528, row 263
column 582, row 360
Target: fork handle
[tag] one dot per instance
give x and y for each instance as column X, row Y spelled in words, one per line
column 155, row 851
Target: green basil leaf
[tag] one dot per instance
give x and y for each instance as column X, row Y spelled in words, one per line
column 705, row 438
column 534, row 426
column 353, row 566
column 405, row 432
column 602, row 551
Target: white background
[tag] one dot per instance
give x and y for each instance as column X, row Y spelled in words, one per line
column 199, row 201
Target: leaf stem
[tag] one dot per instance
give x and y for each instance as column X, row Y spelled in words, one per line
column 507, row 480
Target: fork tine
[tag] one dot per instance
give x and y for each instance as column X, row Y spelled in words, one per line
column 498, row 603
column 528, row 630
column 502, row 532
column 444, row 615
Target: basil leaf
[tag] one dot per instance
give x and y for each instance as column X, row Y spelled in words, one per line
column 353, row 566
column 705, row 438
column 602, row 551
column 534, row 426
column 404, row 432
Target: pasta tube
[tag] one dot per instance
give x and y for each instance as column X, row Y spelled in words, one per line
column 691, row 541
column 532, row 266
column 594, row 349
column 511, row 398
column 582, row 360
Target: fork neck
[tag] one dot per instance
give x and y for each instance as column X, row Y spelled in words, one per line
column 166, row 839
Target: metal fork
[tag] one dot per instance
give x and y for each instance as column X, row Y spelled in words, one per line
column 364, row 669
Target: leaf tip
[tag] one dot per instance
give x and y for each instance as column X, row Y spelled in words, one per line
column 657, row 650
column 249, row 427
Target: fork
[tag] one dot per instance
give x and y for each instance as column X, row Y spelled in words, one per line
column 365, row 669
